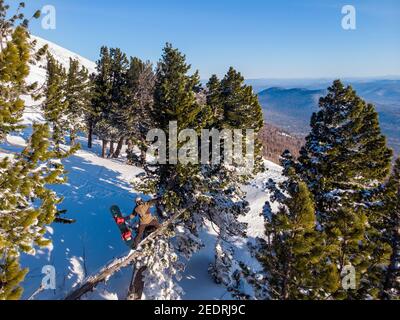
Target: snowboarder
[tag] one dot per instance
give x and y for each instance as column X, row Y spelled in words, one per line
column 146, row 220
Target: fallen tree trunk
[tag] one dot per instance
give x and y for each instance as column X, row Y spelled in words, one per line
column 92, row 281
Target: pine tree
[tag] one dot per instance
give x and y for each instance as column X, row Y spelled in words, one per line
column 174, row 100
column 138, row 114
column 55, row 106
column 16, row 50
column 133, row 116
column 294, row 252
column 13, row 71
column 203, row 191
column 214, row 101
column 118, row 98
column 174, row 96
column 241, row 107
column 110, row 97
column 100, row 101
column 178, row 184
column 391, row 232
column 231, row 105
column 27, row 206
column 77, row 96
column 344, row 160
column 223, row 207
column 11, row 275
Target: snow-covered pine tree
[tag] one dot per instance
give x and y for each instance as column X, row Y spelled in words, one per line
column 14, row 57
column 12, row 83
column 344, row 159
column 55, row 105
column 162, row 270
column 391, row 232
column 223, row 204
column 231, row 105
column 26, row 205
column 178, row 184
column 293, row 254
column 77, row 96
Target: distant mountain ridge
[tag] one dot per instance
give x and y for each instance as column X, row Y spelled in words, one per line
column 313, row 84
column 291, row 108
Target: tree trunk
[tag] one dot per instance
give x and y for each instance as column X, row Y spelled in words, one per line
column 129, row 145
column 159, row 210
column 90, row 135
column 72, row 138
column 111, row 149
column 287, row 278
column 129, row 149
column 119, row 148
column 104, row 148
column 390, row 277
column 143, row 157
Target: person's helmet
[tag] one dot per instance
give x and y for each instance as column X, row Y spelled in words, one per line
column 138, row 200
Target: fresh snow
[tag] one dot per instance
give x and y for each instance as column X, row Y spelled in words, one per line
column 63, row 55
column 94, row 185
column 38, row 74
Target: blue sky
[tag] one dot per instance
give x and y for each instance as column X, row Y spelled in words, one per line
column 261, row 38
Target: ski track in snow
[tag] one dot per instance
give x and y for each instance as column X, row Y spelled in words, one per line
column 94, row 185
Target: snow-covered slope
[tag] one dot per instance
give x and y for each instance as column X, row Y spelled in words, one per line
column 94, row 185
column 38, row 72
column 63, row 55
